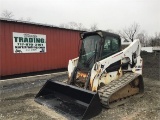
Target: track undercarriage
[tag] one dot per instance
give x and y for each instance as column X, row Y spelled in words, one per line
column 117, row 92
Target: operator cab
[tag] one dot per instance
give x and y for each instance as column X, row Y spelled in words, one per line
column 96, row 46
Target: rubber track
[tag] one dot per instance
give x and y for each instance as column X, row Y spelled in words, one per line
column 107, row 91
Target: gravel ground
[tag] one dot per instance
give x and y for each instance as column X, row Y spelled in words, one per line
column 17, row 100
column 151, row 65
column 17, row 103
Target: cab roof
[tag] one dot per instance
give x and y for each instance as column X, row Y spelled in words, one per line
column 99, row 32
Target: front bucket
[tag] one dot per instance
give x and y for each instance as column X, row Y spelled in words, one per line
column 73, row 101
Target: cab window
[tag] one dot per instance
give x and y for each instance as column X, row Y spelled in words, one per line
column 111, row 46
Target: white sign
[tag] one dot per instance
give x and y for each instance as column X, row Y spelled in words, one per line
column 29, row 43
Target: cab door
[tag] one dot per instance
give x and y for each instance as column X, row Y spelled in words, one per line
column 111, row 46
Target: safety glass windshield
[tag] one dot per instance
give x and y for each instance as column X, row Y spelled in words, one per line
column 89, row 48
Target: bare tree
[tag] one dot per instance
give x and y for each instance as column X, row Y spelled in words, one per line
column 76, row 26
column 63, row 25
column 73, row 25
column 143, row 37
column 155, row 41
column 7, row 14
column 70, row 25
column 80, row 27
column 28, row 19
column 93, row 27
column 131, row 32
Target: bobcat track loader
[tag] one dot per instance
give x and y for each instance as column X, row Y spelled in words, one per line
column 102, row 75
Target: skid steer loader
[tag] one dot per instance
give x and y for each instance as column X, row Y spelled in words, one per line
column 102, row 75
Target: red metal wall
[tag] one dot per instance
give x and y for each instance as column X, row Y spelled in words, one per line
column 61, row 45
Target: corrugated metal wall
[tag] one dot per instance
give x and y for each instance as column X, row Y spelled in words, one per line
column 61, row 45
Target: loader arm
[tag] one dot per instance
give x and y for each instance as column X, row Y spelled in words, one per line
column 133, row 50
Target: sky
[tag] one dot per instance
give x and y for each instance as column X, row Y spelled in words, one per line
column 107, row 14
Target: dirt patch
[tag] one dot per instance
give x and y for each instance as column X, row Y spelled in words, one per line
column 43, row 109
column 151, row 65
column 24, row 109
column 17, row 109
